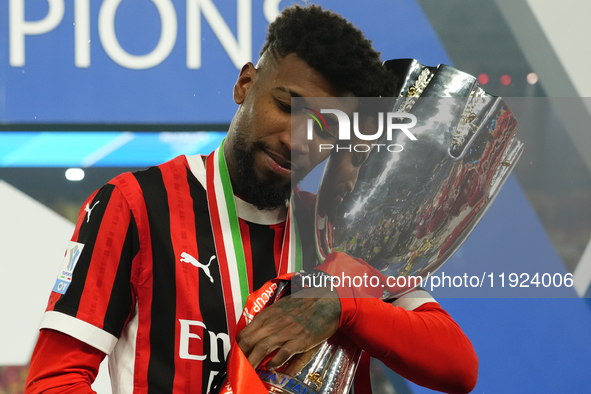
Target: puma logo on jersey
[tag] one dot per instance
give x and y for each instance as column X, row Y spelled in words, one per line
column 88, row 210
column 187, row 258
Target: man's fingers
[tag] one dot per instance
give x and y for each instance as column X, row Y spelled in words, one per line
column 259, row 329
column 275, row 335
column 290, row 326
column 261, row 350
column 299, row 361
column 284, row 354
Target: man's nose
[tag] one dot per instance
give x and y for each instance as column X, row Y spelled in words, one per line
column 350, row 184
column 296, row 138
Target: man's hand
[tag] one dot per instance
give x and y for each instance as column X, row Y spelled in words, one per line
column 291, row 325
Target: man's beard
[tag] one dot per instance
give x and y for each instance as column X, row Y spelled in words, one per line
column 264, row 196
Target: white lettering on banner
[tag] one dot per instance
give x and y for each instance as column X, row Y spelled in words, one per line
column 82, row 33
column 168, row 32
column 186, row 335
column 239, row 50
column 19, row 28
column 271, row 10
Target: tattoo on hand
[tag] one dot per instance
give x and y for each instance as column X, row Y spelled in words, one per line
column 316, row 315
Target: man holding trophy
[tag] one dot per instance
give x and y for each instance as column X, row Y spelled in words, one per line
column 163, row 264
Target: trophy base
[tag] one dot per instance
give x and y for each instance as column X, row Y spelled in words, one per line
column 329, row 371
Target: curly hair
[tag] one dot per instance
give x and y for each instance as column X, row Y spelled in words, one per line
column 332, row 46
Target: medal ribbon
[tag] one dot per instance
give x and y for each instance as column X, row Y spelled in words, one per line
column 321, row 237
column 242, row 378
column 291, row 250
column 228, row 240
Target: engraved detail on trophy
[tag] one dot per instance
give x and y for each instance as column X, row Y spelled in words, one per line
column 316, row 378
column 467, row 120
column 415, row 91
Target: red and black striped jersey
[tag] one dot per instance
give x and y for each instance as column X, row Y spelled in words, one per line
column 141, row 282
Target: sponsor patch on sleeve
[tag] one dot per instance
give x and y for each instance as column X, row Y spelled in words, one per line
column 71, row 258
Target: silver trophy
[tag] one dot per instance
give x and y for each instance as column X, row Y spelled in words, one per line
column 406, row 211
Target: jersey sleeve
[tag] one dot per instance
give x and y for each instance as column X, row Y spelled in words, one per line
column 424, row 344
column 413, row 335
column 93, row 297
column 62, row 364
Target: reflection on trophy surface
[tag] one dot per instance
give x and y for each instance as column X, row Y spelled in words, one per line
column 342, row 172
column 405, row 206
column 410, row 210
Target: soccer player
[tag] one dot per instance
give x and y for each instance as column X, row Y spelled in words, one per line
column 161, row 259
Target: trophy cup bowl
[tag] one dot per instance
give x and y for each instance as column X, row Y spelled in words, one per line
column 411, row 209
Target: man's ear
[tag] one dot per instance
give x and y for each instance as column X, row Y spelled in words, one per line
column 245, row 81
